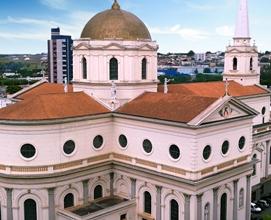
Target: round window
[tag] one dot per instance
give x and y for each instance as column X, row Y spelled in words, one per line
column 28, row 151
column 225, row 147
column 174, row 151
column 263, row 110
column 98, row 142
column 207, row 152
column 69, row 147
column 242, row 142
column 147, row 146
column 123, row 141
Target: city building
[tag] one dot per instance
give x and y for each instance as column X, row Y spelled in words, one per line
column 59, row 57
column 200, row 57
column 124, row 148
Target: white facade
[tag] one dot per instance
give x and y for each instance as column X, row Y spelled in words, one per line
column 129, row 54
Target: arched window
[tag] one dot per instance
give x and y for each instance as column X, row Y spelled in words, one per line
column 147, row 202
column 223, row 207
column 98, row 192
column 84, row 68
column 235, row 63
column 144, row 68
column 254, row 165
column 241, row 198
column 114, row 70
column 207, row 211
column 68, row 200
column 251, row 64
column 30, row 209
column 174, row 210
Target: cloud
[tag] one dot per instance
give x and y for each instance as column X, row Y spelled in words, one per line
column 24, row 36
column 55, row 4
column 185, row 33
column 73, row 26
column 226, row 31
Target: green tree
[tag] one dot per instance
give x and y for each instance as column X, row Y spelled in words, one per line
column 191, row 53
column 11, row 89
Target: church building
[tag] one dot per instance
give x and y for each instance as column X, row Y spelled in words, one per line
column 115, row 145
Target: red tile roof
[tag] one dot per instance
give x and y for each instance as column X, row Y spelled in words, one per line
column 214, row 89
column 170, row 107
column 53, row 106
column 44, row 88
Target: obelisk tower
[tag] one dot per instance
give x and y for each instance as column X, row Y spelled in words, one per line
column 241, row 58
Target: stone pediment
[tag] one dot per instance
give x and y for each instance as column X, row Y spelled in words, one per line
column 224, row 109
column 114, row 46
column 146, row 47
column 82, row 46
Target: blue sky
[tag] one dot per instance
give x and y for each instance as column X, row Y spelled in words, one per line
column 177, row 25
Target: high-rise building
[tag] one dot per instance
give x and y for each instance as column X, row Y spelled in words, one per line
column 60, row 57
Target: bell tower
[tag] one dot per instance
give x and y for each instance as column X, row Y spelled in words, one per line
column 241, row 58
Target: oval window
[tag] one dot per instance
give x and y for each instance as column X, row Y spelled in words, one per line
column 28, row 151
column 207, row 152
column 225, row 147
column 69, row 147
column 242, row 142
column 123, row 141
column 98, row 142
column 174, row 152
column 147, row 146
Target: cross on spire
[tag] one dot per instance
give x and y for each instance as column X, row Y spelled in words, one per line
column 116, row 5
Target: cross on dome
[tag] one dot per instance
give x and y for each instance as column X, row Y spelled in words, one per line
column 116, row 5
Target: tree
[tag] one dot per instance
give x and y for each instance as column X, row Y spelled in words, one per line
column 207, row 70
column 11, row 89
column 196, row 71
column 191, row 53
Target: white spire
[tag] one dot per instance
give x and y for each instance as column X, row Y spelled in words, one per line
column 242, row 25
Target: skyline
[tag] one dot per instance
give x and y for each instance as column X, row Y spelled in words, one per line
column 26, row 27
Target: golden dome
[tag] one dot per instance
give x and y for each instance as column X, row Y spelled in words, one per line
column 116, row 24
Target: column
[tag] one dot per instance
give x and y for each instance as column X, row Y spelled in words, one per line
column 187, row 207
column 215, row 203
column 9, row 204
column 111, row 184
column 235, row 202
column 267, row 159
column 158, row 202
column 51, row 200
column 85, row 191
column 248, row 197
column 199, row 206
column 133, row 188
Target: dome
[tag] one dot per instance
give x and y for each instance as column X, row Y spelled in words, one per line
column 116, row 24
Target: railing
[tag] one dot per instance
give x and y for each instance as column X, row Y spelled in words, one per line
column 176, row 171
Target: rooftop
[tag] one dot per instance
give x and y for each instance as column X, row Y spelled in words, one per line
column 214, row 89
column 97, row 205
column 53, row 106
column 169, row 107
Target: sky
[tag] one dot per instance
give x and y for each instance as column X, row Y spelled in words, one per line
column 177, row 25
